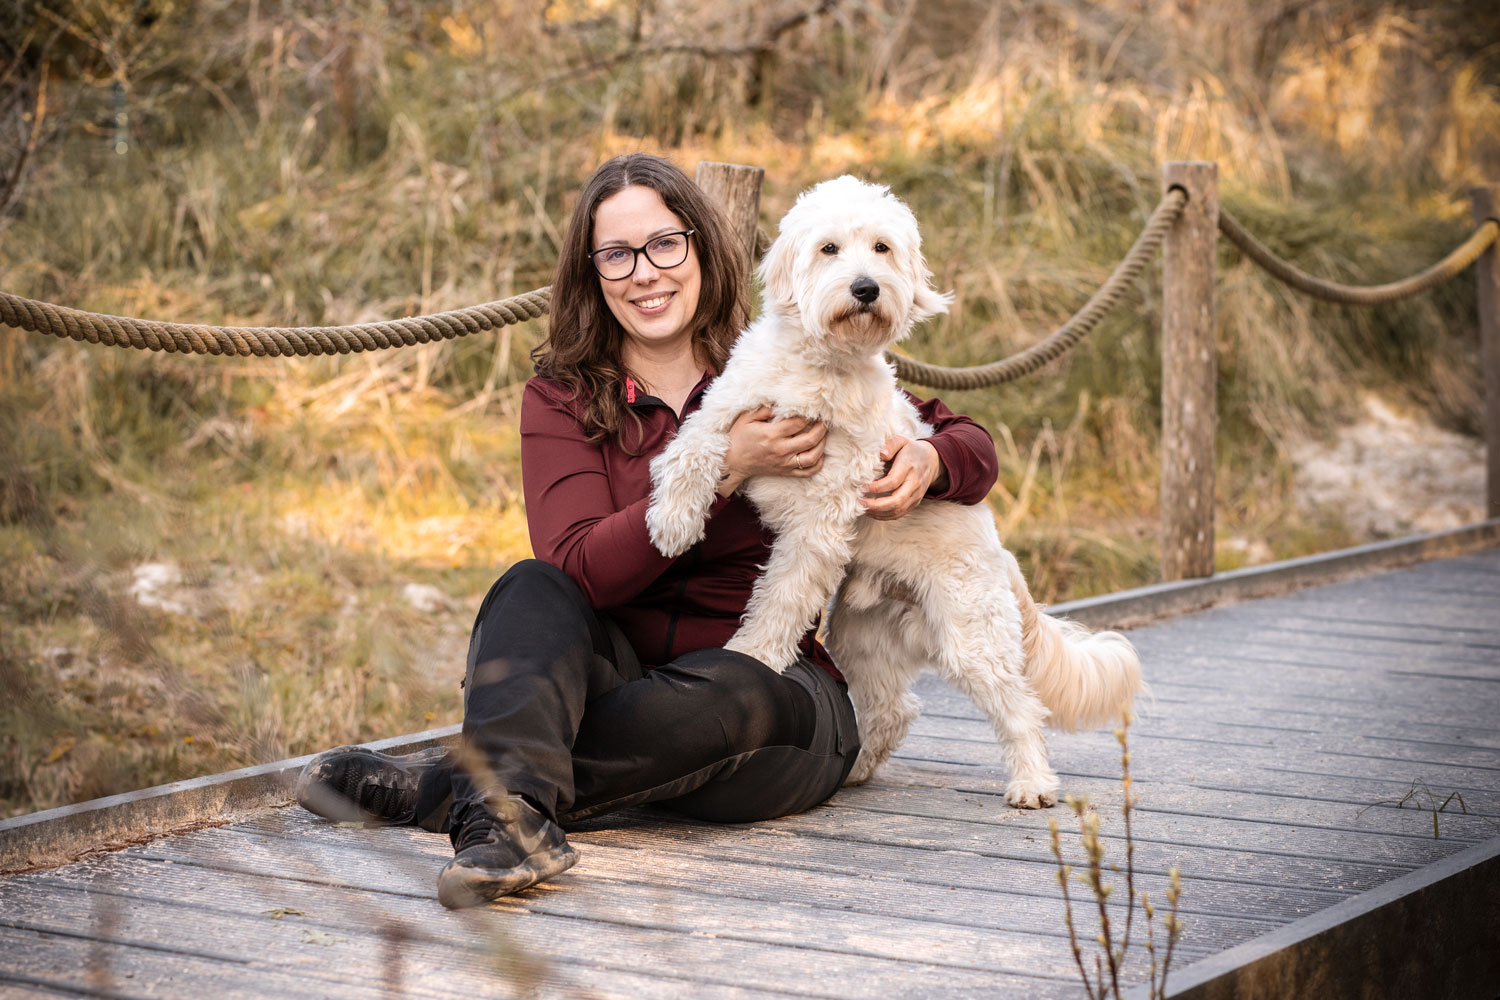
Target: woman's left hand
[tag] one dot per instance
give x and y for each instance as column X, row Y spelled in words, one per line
column 914, row 469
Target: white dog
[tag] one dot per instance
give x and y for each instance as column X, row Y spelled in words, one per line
column 844, row 279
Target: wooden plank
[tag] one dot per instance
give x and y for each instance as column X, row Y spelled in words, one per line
column 880, row 867
column 1165, row 600
column 708, row 946
column 612, row 888
column 1330, row 743
column 1251, row 801
column 1343, row 649
column 330, row 960
column 1372, row 857
column 1230, row 711
column 1265, row 787
column 857, row 889
column 1294, row 695
column 62, row 962
column 1365, row 781
column 1298, row 745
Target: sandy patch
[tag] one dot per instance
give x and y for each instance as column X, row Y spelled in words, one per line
column 1393, row 475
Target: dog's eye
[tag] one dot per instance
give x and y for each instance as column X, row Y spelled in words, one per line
column 882, row 248
column 830, row 248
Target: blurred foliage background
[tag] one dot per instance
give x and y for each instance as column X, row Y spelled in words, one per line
column 210, row 562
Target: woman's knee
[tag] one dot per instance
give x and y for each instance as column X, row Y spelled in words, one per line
column 533, row 577
column 755, row 706
column 532, row 573
column 530, row 609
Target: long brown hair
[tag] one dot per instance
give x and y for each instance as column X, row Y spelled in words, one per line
column 582, row 349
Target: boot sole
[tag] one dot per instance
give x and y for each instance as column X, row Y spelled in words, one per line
column 318, row 793
column 461, row 886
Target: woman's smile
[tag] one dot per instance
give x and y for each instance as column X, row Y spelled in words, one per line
column 653, row 303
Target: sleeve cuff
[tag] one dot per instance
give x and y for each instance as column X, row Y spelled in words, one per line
column 950, row 453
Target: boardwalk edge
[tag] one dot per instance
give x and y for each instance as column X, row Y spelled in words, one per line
column 1430, row 933
column 1128, row 608
column 57, row 836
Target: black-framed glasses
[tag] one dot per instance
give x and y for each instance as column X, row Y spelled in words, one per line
column 664, row 251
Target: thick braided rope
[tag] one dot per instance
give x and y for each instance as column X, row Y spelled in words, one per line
column 1070, row 333
column 245, row 341
column 1361, row 295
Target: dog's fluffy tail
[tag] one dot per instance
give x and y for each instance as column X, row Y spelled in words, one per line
column 1085, row 679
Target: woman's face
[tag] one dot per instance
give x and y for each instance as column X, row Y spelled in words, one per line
column 655, row 305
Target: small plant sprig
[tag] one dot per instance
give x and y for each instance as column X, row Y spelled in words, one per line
column 1108, row 964
column 1415, row 795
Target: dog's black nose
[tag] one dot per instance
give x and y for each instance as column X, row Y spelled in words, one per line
column 867, row 290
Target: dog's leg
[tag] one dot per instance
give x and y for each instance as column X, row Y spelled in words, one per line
column 979, row 651
column 685, row 479
column 1018, row 716
column 807, row 562
column 868, row 647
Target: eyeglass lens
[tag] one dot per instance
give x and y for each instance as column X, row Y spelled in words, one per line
column 667, row 250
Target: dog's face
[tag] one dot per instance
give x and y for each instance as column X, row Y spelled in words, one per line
column 848, row 263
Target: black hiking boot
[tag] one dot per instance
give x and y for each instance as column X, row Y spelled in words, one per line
column 501, row 848
column 360, row 785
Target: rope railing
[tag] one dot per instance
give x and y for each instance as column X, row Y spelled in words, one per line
column 123, row 331
column 1065, row 337
column 1360, row 295
column 190, row 338
column 261, row 341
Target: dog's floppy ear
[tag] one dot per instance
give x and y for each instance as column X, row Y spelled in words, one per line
column 928, row 301
column 776, row 272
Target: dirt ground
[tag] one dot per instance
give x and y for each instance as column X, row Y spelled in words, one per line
column 1393, row 474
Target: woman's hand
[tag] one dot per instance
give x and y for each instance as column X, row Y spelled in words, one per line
column 762, row 446
column 914, row 469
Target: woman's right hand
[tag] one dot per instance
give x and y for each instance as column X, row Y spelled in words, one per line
column 762, row 446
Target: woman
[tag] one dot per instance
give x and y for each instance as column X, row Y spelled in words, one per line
column 596, row 675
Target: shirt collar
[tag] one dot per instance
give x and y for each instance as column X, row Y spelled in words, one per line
column 638, row 398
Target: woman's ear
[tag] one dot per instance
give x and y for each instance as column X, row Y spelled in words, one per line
column 776, row 273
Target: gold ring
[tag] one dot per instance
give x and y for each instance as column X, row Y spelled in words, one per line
column 798, row 459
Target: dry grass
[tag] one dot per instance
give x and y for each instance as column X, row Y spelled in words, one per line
column 305, row 163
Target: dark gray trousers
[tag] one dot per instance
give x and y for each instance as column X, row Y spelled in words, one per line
column 557, row 708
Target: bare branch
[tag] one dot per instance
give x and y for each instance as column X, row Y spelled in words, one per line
column 757, row 47
column 18, row 172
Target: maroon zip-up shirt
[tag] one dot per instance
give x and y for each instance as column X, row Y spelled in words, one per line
column 586, row 510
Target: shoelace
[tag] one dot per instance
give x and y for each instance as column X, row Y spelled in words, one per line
column 477, row 828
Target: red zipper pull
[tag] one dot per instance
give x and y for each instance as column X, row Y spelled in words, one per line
column 629, row 389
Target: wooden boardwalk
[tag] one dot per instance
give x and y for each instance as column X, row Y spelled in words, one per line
column 1282, row 735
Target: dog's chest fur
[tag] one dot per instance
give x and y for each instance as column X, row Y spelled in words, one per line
column 860, row 404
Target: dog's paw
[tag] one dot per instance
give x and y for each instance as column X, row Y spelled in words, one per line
column 1031, row 794
column 775, row 658
column 863, row 771
column 673, row 528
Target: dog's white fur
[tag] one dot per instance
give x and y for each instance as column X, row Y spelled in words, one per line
column 935, row 587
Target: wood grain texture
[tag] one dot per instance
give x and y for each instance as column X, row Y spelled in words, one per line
column 1189, row 369
column 736, row 190
column 1485, row 201
column 1270, row 769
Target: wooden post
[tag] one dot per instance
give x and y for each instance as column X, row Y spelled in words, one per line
column 737, row 190
column 1189, row 402
column 1486, row 203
